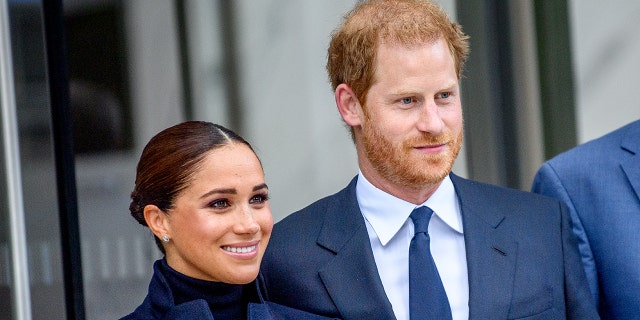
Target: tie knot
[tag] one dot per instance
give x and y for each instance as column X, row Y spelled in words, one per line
column 421, row 217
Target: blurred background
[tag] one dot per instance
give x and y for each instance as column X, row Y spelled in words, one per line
column 85, row 83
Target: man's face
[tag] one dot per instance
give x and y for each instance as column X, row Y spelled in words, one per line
column 411, row 127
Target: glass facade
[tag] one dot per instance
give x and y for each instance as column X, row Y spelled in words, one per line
column 30, row 187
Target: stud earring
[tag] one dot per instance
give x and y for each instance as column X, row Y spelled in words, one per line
column 165, row 239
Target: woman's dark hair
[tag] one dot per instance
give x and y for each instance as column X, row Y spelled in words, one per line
column 170, row 159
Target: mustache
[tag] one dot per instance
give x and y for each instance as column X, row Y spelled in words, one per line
column 429, row 139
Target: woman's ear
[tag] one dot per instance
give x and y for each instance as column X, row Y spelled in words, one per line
column 348, row 105
column 157, row 221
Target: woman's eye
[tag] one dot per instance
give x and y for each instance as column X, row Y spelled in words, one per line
column 219, row 204
column 259, row 199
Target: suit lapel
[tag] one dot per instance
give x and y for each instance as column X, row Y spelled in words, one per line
column 491, row 252
column 631, row 166
column 352, row 271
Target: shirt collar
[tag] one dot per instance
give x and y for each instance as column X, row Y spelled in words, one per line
column 387, row 214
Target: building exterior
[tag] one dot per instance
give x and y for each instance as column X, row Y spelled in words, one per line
column 84, row 85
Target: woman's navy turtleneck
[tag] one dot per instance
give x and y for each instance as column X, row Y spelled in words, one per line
column 226, row 301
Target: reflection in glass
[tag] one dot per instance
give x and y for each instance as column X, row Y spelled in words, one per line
column 36, row 160
column 5, row 254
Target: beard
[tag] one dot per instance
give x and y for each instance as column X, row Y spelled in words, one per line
column 400, row 164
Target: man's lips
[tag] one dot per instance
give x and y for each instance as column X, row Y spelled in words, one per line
column 432, row 148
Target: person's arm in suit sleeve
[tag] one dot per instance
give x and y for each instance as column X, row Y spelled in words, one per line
column 547, row 182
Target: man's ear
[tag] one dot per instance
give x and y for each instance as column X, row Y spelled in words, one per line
column 157, row 221
column 348, row 105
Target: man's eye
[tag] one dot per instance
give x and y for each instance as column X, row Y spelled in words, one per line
column 444, row 95
column 406, row 100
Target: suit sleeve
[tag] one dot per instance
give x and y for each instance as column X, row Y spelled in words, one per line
column 580, row 303
column 547, row 182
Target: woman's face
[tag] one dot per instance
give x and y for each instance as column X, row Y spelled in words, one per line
column 221, row 223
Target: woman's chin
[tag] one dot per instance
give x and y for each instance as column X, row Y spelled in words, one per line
column 242, row 275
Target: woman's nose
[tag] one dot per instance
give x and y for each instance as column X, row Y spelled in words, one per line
column 246, row 223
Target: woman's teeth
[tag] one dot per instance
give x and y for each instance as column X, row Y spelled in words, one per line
column 239, row 249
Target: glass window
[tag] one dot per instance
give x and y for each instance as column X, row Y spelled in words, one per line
column 35, row 173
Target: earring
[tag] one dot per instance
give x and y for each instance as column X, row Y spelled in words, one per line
column 165, row 239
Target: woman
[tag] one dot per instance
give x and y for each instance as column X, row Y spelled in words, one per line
column 200, row 188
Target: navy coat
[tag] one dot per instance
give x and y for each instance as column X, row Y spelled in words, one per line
column 159, row 305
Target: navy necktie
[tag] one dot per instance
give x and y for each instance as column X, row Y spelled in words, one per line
column 427, row 298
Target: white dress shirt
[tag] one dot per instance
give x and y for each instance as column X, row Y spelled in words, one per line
column 390, row 231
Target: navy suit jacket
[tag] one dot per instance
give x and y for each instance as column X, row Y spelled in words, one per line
column 600, row 183
column 522, row 258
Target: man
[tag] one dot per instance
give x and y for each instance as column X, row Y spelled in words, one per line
column 395, row 68
column 600, row 183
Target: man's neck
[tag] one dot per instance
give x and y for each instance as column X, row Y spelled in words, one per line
column 415, row 196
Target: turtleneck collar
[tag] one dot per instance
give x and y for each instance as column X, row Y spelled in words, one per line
column 226, row 301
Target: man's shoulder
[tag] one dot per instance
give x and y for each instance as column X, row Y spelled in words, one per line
column 467, row 188
column 313, row 213
column 511, row 208
column 600, row 149
column 305, row 235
